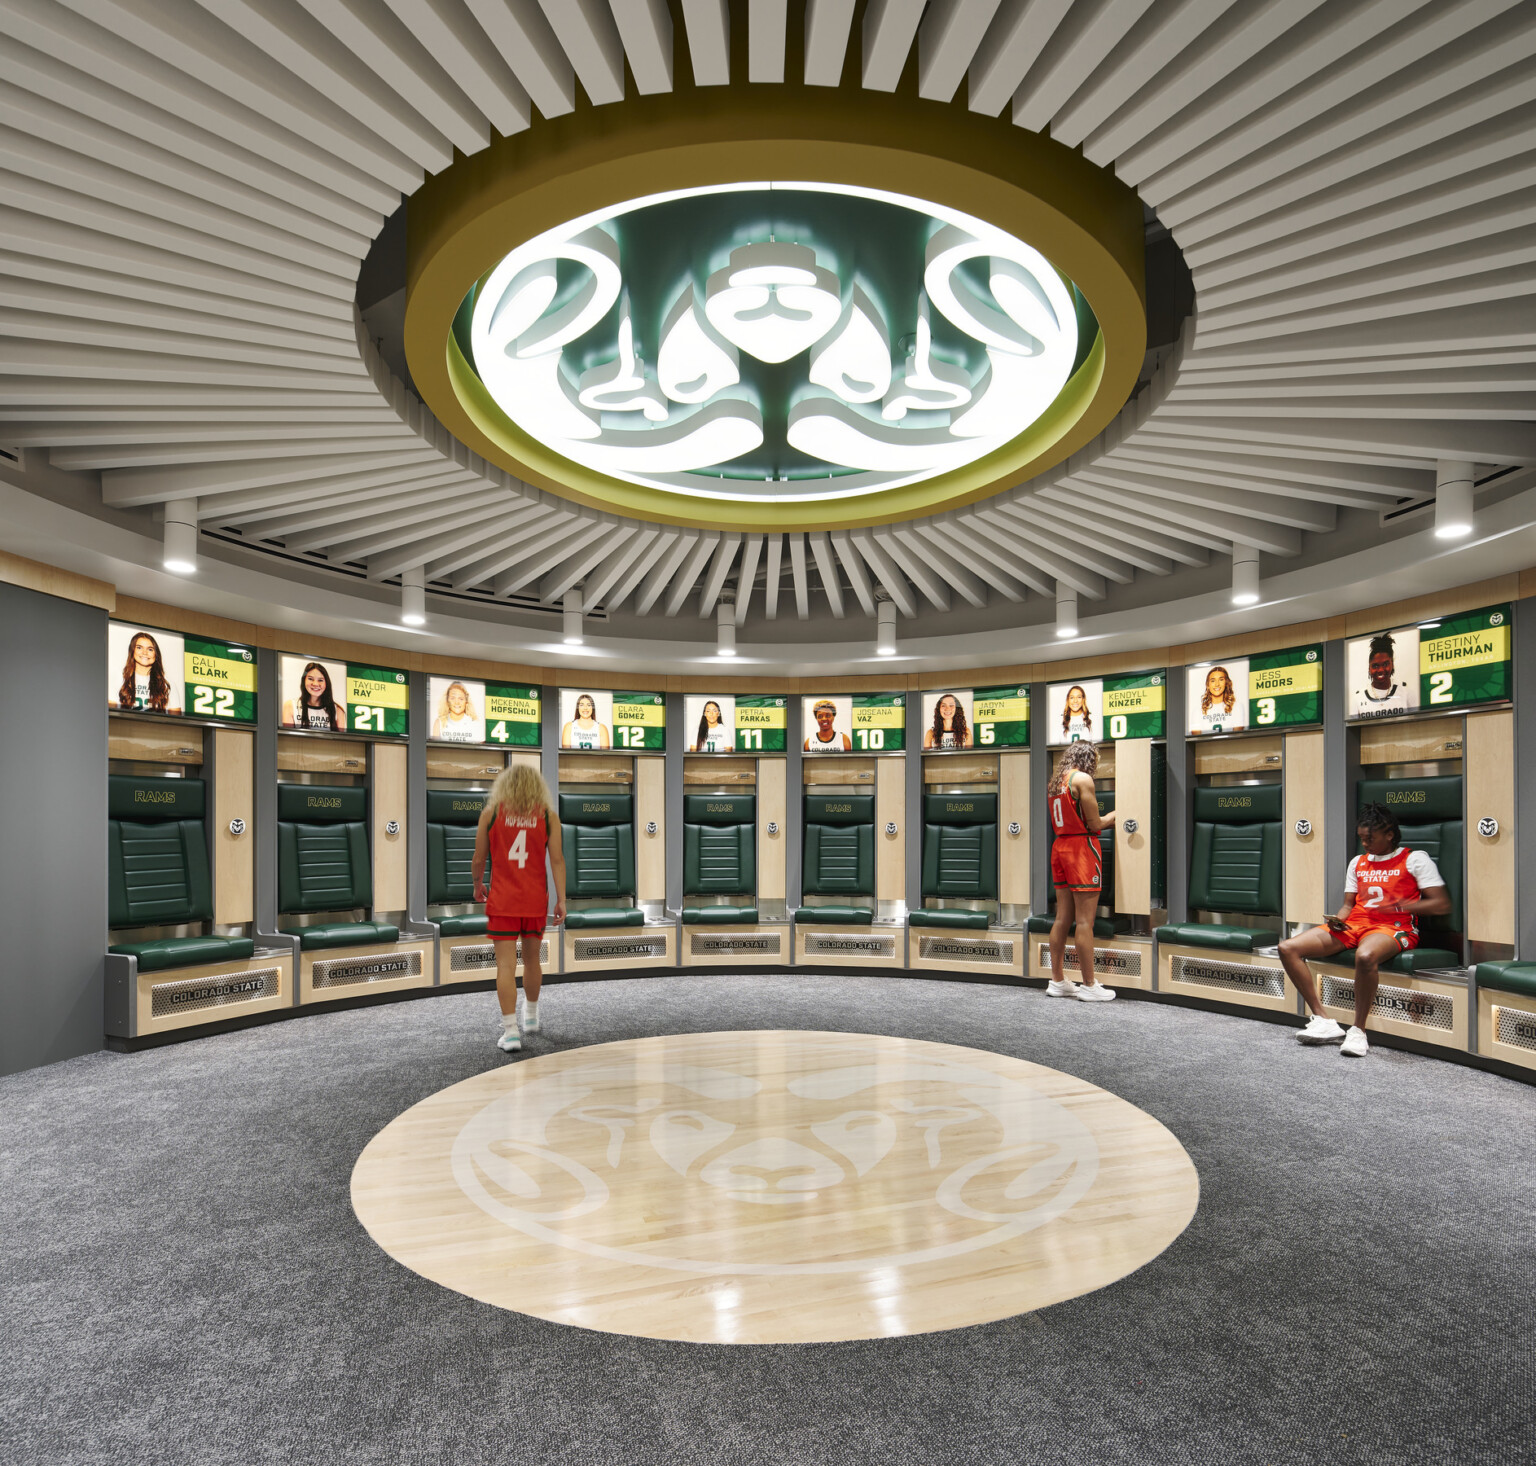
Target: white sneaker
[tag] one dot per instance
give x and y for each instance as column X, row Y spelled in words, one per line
column 1321, row 1030
column 530, row 1022
column 1355, row 1044
column 510, row 1041
column 1094, row 992
column 1066, row 988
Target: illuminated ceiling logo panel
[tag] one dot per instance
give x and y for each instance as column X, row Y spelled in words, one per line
column 783, row 342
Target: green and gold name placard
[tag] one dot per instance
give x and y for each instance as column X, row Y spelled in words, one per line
column 1001, row 716
column 1466, row 659
column 221, row 680
column 512, row 715
column 640, row 721
column 879, row 722
column 1136, row 706
column 378, row 701
column 762, row 724
column 1286, row 688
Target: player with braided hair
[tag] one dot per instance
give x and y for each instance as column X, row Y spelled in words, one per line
column 1386, row 890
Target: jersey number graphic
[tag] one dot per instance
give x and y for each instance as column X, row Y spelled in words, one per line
column 1440, row 687
column 518, row 849
column 1374, row 896
column 1057, row 817
column 631, row 737
column 499, row 733
column 214, row 702
column 364, row 718
column 870, row 738
column 986, row 733
column 1266, row 712
column 1118, row 725
column 751, row 737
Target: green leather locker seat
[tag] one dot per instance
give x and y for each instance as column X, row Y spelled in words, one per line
column 323, row 864
column 1429, row 812
column 959, row 857
column 839, row 858
column 157, row 871
column 598, row 837
column 1234, row 865
column 453, row 816
column 1104, row 927
column 954, row 919
column 719, row 855
column 1518, row 978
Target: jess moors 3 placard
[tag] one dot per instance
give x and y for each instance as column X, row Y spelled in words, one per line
column 1274, row 690
column 1107, row 708
column 723, row 723
column 1451, row 662
column 466, row 711
column 590, row 719
column 154, row 671
column 324, row 696
column 840, row 722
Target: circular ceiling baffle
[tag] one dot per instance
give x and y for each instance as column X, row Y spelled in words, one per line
column 803, row 311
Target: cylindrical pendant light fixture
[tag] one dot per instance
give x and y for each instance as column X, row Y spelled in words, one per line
column 1453, row 499
column 1066, row 610
column 413, row 597
column 180, row 555
column 1245, row 575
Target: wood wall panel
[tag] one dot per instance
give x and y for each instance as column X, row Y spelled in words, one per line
column 463, row 763
column 313, row 754
column 891, row 808
column 650, row 775
column 1133, row 800
column 712, row 770
column 960, row 768
column 1013, row 850
column 1418, row 741
column 822, row 769
column 234, row 797
column 772, row 808
column 1307, row 897
column 390, row 863
column 1490, row 772
column 1256, row 755
column 597, row 768
column 156, row 743
column 51, row 581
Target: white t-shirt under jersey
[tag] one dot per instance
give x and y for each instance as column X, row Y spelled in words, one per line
column 717, row 740
column 1370, row 701
column 458, row 730
column 834, row 744
column 586, row 739
column 1420, row 867
column 1078, row 728
column 1219, row 716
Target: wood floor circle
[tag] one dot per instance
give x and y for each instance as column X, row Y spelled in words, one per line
column 773, row 1187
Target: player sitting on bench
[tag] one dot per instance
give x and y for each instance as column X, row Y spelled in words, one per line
column 1386, row 890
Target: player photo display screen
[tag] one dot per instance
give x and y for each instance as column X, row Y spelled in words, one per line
column 1101, row 709
column 1240, row 694
column 591, row 720
column 948, row 720
column 726, row 723
column 840, row 722
column 1450, row 662
column 176, row 676
column 320, row 695
column 468, row 711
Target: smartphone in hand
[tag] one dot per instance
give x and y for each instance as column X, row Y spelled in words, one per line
column 1334, row 923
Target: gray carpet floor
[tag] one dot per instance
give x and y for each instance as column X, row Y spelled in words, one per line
column 182, row 1278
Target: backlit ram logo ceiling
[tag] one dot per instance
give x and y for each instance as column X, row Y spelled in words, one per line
column 782, row 342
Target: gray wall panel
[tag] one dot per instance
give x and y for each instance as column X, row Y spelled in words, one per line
column 53, row 823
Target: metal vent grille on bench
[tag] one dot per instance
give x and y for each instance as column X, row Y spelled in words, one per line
column 1107, row 961
column 193, row 994
column 482, row 956
column 1516, row 1027
column 730, row 944
column 987, row 951
column 335, row 972
column 1406, row 1005
column 1208, row 972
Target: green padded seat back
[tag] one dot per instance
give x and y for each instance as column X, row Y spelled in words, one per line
column 599, row 861
column 322, row 848
column 157, row 853
column 960, row 809
column 1429, row 814
column 960, row 861
column 453, row 816
column 839, row 860
column 1236, row 851
column 597, row 809
column 720, row 844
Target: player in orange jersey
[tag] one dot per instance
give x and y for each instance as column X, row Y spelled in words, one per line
column 1385, row 892
column 1077, row 869
column 518, row 827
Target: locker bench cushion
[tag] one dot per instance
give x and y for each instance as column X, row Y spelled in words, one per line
column 970, row 920
column 342, row 934
column 1226, row 938
column 835, row 915
column 168, row 952
column 719, row 915
column 461, row 926
column 1104, row 927
column 605, row 916
column 1418, row 959
column 1508, row 977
